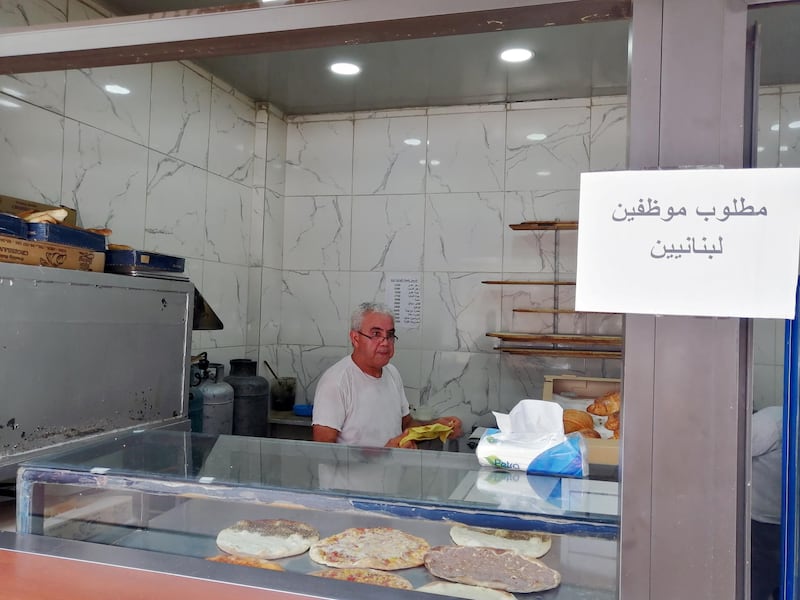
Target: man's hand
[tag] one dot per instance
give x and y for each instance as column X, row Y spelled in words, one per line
column 395, row 442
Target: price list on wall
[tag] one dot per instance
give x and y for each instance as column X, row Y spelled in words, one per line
column 403, row 296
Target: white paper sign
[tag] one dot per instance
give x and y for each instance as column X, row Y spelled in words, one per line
column 689, row 242
column 403, row 296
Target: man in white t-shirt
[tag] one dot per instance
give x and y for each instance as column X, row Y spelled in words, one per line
column 360, row 400
column 765, row 503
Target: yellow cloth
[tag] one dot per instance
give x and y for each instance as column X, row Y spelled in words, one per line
column 427, row 432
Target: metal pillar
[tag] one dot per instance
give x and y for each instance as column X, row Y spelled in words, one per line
column 685, row 383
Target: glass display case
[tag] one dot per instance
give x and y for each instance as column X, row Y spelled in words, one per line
column 172, row 492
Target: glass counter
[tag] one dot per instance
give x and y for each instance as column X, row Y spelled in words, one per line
column 172, row 492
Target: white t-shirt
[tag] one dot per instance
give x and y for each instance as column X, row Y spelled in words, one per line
column 765, row 499
column 366, row 410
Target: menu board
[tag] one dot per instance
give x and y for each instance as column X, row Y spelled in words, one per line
column 403, row 296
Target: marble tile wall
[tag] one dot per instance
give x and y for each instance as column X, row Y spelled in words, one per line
column 430, row 193
column 169, row 167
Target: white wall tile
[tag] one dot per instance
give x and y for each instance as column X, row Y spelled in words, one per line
column 46, row 90
column 314, row 308
column 307, row 363
column 126, row 115
column 105, row 179
column 459, row 311
column 319, row 158
column 273, row 229
column 464, row 232
column 554, row 162
column 180, row 112
column 228, row 210
column 14, row 13
column 270, row 302
column 466, row 152
column 388, row 233
column 231, row 137
column 389, row 155
column 176, row 207
column 31, row 143
column 275, row 176
column 790, row 130
column 609, row 137
column 317, row 233
column 225, row 289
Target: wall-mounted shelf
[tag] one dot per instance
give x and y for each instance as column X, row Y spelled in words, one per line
column 555, row 343
column 525, row 282
column 545, row 226
column 616, row 354
column 576, row 339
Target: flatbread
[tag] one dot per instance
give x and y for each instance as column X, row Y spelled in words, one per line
column 246, row 561
column 371, row 576
column 528, row 543
column 267, row 538
column 491, row 567
column 381, row 548
column 459, row 590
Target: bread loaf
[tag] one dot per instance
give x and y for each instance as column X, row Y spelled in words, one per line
column 605, row 405
column 575, row 420
column 590, row 433
column 612, row 422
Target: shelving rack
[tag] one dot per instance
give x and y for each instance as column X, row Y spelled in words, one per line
column 555, row 343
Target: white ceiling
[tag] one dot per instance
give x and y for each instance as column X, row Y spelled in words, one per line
column 571, row 61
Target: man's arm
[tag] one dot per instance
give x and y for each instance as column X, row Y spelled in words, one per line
column 321, row 433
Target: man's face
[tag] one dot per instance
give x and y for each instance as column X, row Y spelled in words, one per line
column 370, row 347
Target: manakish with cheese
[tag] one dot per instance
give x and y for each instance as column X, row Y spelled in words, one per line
column 383, row 548
column 267, row 538
column 460, row 590
column 528, row 543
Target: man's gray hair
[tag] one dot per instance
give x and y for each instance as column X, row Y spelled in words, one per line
column 368, row 307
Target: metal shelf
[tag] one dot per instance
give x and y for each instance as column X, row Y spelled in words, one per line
column 613, row 354
column 559, row 338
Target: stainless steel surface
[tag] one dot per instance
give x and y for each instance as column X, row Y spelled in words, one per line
column 684, row 384
column 85, row 354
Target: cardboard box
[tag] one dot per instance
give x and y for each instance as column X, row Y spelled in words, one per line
column 45, row 254
column 9, row 204
column 572, row 391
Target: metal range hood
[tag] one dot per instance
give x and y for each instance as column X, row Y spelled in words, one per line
column 204, row 317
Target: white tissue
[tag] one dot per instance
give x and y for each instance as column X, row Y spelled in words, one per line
column 532, row 427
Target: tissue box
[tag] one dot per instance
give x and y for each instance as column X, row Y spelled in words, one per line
column 572, row 391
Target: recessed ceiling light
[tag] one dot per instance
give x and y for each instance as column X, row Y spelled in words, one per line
column 113, row 88
column 516, row 55
column 435, row 163
column 536, row 137
column 412, row 142
column 345, row 68
column 794, row 125
column 543, row 173
column 784, row 148
column 422, row 161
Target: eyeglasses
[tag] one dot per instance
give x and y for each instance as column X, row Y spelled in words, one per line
column 377, row 337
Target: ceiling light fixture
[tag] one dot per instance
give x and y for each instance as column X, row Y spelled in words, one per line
column 344, row 68
column 536, row 137
column 794, row 125
column 774, row 127
column 412, row 142
column 516, row 55
column 113, row 88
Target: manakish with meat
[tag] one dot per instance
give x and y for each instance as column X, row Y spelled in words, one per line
column 528, row 543
column 491, row 567
column 371, row 576
column 267, row 538
column 383, row 548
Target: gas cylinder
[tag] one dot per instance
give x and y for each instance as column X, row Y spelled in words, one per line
column 250, row 395
column 217, row 398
